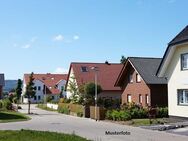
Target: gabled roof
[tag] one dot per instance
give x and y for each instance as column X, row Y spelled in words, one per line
column 2, row 80
column 49, row 80
column 146, row 67
column 106, row 75
column 181, row 38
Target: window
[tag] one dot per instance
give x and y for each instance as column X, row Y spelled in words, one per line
column 39, row 88
column 140, row 98
column 39, row 97
column 183, row 97
column 138, row 78
column 184, row 61
column 35, row 98
column 128, row 98
column 84, row 69
column 52, row 97
column 147, row 99
column 131, row 78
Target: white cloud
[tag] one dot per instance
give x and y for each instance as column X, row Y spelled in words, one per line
column 26, row 46
column 60, row 70
column 29, row 43
column 76, row 37
column 59, row 38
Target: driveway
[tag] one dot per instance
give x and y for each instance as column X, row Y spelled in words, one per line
column 52, row 121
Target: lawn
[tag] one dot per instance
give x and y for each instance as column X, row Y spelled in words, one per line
column 10, row 116
column 31, row 135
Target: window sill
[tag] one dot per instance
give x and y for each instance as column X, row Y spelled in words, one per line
column 185, row 104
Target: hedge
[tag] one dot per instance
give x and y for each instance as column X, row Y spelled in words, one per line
column 68, row 108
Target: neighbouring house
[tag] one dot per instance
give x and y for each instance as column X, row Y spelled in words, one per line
column 140, row 84
column 107, row 74
column 46, row 85
column 174, row 67
column 2, row 84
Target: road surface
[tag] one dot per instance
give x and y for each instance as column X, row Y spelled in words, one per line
column 88, row 128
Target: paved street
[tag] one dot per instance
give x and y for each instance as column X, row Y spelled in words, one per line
column 52, row 121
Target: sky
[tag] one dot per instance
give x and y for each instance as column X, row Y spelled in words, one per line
column 45, row 36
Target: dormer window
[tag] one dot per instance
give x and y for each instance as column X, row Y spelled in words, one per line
column 84, row 69
column 184, row 61
column 52, row 78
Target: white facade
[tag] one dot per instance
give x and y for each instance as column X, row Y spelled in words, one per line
column 177, row 80
column 40, row 92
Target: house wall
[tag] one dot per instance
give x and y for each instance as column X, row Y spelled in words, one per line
column 110, row 94
column 177, row 79
column 135, row 89
column 159, row 95
column 39, row 93
column 60, row 85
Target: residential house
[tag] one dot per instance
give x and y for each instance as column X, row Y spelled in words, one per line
column 174, row 67
column 140, row 84
column 107, row 74
column 2, row 83
column 46, row 85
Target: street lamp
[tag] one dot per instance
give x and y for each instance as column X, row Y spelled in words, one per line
column 95, row 69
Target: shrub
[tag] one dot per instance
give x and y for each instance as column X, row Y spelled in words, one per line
column 79, row 114
column 118, row 115
column 6, row 104
column 162, row 112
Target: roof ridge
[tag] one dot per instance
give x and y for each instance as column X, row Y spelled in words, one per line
column 94, row 63
column 145, row 57
column 179, row 33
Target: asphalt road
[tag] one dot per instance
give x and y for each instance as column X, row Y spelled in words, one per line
column 52, row 121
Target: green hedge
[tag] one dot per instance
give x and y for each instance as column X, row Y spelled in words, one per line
column 133, row 111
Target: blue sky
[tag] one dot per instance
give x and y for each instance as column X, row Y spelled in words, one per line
column 46, row 35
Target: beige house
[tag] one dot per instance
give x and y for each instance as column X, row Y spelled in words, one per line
column 174, row 67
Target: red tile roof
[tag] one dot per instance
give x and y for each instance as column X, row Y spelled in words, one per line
column 107, row 74
column 50, row 81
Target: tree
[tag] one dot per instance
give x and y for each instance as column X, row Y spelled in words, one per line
column 123, row 59
column 74, row 90
column 30, row 91
column 90, row 89
column 18, row 91
column 89, row 93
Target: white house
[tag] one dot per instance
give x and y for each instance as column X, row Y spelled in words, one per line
column 174, row 67
column 46, row 84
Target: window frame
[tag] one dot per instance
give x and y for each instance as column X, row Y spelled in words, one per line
column 84, row 69
column 147, row 99
column 129, row 96
column 140, row 99
column 183, row 93
column 138, row 75
column 131, row 78
column 182, row 62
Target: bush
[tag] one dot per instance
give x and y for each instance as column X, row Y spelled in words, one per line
column 118, row 115
column 162, row 112
column 6, row 104
column 79, row 114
